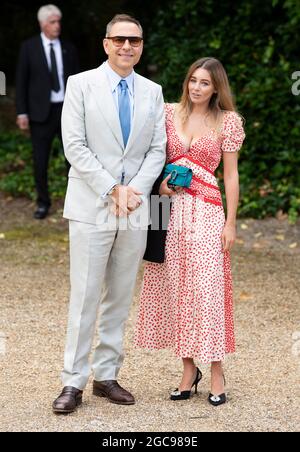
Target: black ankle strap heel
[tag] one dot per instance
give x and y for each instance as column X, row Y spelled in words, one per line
column 184, row 395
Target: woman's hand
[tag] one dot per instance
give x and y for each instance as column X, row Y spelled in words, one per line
column 166, row 190
column 228, row 237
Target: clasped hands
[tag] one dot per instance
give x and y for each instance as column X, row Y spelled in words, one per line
column 126, row 200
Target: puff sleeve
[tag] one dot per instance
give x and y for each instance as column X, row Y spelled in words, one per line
column 233, row 132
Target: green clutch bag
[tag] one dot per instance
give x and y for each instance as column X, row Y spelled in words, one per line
column 181, row 176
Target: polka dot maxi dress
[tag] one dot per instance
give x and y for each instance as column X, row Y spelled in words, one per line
column 186, row 302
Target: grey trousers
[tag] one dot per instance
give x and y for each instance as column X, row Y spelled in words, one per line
column 103, row 270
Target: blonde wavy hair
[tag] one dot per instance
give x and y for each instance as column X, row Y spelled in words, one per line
column 220, row 101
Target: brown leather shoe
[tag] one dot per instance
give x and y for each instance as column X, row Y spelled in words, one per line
column 68, row 400
column 113, row 392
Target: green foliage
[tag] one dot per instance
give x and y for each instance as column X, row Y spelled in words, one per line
column 16, row 167
column 258, row 43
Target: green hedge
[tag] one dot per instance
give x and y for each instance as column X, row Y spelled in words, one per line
column 16, row 179
column 16, row 170
column 258, row 43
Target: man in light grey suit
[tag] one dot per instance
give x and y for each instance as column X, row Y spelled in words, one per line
column 113, row 127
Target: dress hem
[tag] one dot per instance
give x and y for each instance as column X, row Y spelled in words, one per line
column 203, row 361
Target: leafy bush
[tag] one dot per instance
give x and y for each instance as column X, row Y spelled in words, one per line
column 16, row 167
column 258, row 43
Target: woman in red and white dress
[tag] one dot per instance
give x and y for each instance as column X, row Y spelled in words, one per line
column 186, row 302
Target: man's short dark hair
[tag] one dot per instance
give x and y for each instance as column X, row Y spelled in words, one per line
column 122, row 18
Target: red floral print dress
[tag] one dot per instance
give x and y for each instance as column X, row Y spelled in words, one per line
column 186, row 302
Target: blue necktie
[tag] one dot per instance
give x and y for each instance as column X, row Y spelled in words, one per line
column 124, row 110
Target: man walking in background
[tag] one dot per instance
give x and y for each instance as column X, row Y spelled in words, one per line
column 45, row 63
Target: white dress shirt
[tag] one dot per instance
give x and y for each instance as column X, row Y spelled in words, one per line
column 59, row 96
column 114, row 80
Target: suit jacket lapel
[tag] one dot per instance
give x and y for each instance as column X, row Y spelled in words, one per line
column 104, row 99
column 141, row 110
column 43, row 57
column 64, row 60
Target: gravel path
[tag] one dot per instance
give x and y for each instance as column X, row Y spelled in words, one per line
column 262, row 377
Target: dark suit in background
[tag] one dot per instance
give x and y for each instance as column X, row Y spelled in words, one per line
column 33, row 97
